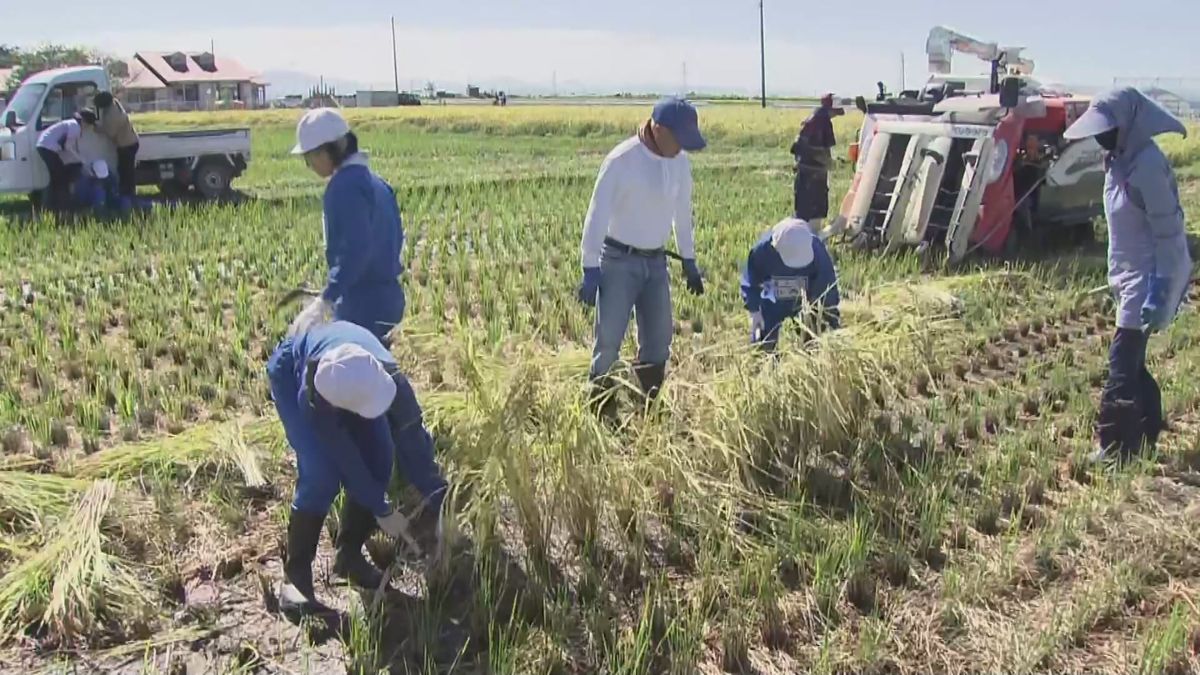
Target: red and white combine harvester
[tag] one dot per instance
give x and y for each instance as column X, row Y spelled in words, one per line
column 971, row 163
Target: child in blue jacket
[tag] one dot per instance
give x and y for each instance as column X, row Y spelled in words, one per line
column 364, row 234
column 788, row 273
column 347, row 413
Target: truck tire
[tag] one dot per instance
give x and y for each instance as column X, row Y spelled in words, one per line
column 213, row 177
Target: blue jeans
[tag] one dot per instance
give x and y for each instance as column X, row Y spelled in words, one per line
column 1131, row 403
column 632, row 283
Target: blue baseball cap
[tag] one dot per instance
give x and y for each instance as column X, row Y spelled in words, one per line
column 680, row 117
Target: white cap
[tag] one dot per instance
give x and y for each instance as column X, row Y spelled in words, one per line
column 100, row 169
column 318, row 127
column 793, row 239
column 348, row 377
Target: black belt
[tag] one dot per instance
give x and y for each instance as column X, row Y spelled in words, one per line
column 626, row 248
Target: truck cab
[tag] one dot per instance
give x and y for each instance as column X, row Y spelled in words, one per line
column 206, row 160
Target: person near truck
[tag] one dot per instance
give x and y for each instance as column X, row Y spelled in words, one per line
column 1149, row 267
column 58, row 146
column 642, row 193
column 114, row 124
column 813, row 152
column 364, row 234
column 347, row 412
column 789, row 274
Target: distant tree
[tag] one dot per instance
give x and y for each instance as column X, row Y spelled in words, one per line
column 26, row 62
column 8, row 57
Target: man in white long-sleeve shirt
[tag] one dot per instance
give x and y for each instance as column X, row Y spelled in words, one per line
column 643, row 192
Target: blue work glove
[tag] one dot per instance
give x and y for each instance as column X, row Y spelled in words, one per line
column 590, row 286
column 695, row 284
column 1156, row 312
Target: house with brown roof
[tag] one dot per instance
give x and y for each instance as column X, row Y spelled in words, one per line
column 184, row 81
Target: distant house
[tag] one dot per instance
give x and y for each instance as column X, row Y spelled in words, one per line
column 191, row 81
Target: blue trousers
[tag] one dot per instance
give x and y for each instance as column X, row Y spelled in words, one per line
column 1131, row 403
column 414, row 446
column 318, row 479
column 632, row 284
column 377, row 307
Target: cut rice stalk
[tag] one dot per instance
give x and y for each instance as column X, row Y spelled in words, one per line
column 28, row 499
column 71, row 588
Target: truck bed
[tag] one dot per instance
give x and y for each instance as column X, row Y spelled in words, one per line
column 164, row 145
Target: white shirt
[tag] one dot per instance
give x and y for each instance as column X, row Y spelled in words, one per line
column 61, row 136
column 638, row 198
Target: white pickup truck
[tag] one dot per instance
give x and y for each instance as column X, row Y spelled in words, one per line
column 176, row 161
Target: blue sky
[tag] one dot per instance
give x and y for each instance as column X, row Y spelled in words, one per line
column 843, row 46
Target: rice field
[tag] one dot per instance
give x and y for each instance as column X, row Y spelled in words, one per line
column 907, row 496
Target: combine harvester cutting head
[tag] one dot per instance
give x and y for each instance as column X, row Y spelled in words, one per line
column 970, row 162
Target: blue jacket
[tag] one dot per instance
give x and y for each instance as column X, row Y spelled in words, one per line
column 364, row 237
column 770, row 286
column 1146, row 235
column 359, row 451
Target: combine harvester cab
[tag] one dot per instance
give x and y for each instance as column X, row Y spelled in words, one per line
column 970, row 172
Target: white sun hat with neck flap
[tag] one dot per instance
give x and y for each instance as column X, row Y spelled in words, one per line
column 350, row 378
column 793, row 240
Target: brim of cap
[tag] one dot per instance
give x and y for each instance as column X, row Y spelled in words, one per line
column 298, row 150
column 1091, row 123
column 690, row 139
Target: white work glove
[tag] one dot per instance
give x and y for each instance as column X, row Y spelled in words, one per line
column 317, row 312
column 395, row 525
column 757, row 324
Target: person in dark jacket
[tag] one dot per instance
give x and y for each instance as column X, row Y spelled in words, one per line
column 364, row 234
column 347, row 413
column 1149, row 267
column 813, row 151
column 788, row 275
column 115, row 125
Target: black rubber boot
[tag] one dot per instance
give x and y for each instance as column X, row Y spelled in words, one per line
column 650, row 376
column 603, row 399
column 357, row 524
column 297, row 595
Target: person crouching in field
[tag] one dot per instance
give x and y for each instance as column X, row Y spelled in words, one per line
column 787, row 274
column 364, row 234
column 58, row 146
column 347, row 412
column 1149, row 266
column 643, row 191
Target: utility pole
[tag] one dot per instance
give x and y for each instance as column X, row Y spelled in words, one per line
column 554, row 83
column 903, row 71
column 395, row 63
column 762, row 48
column 684, row 93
